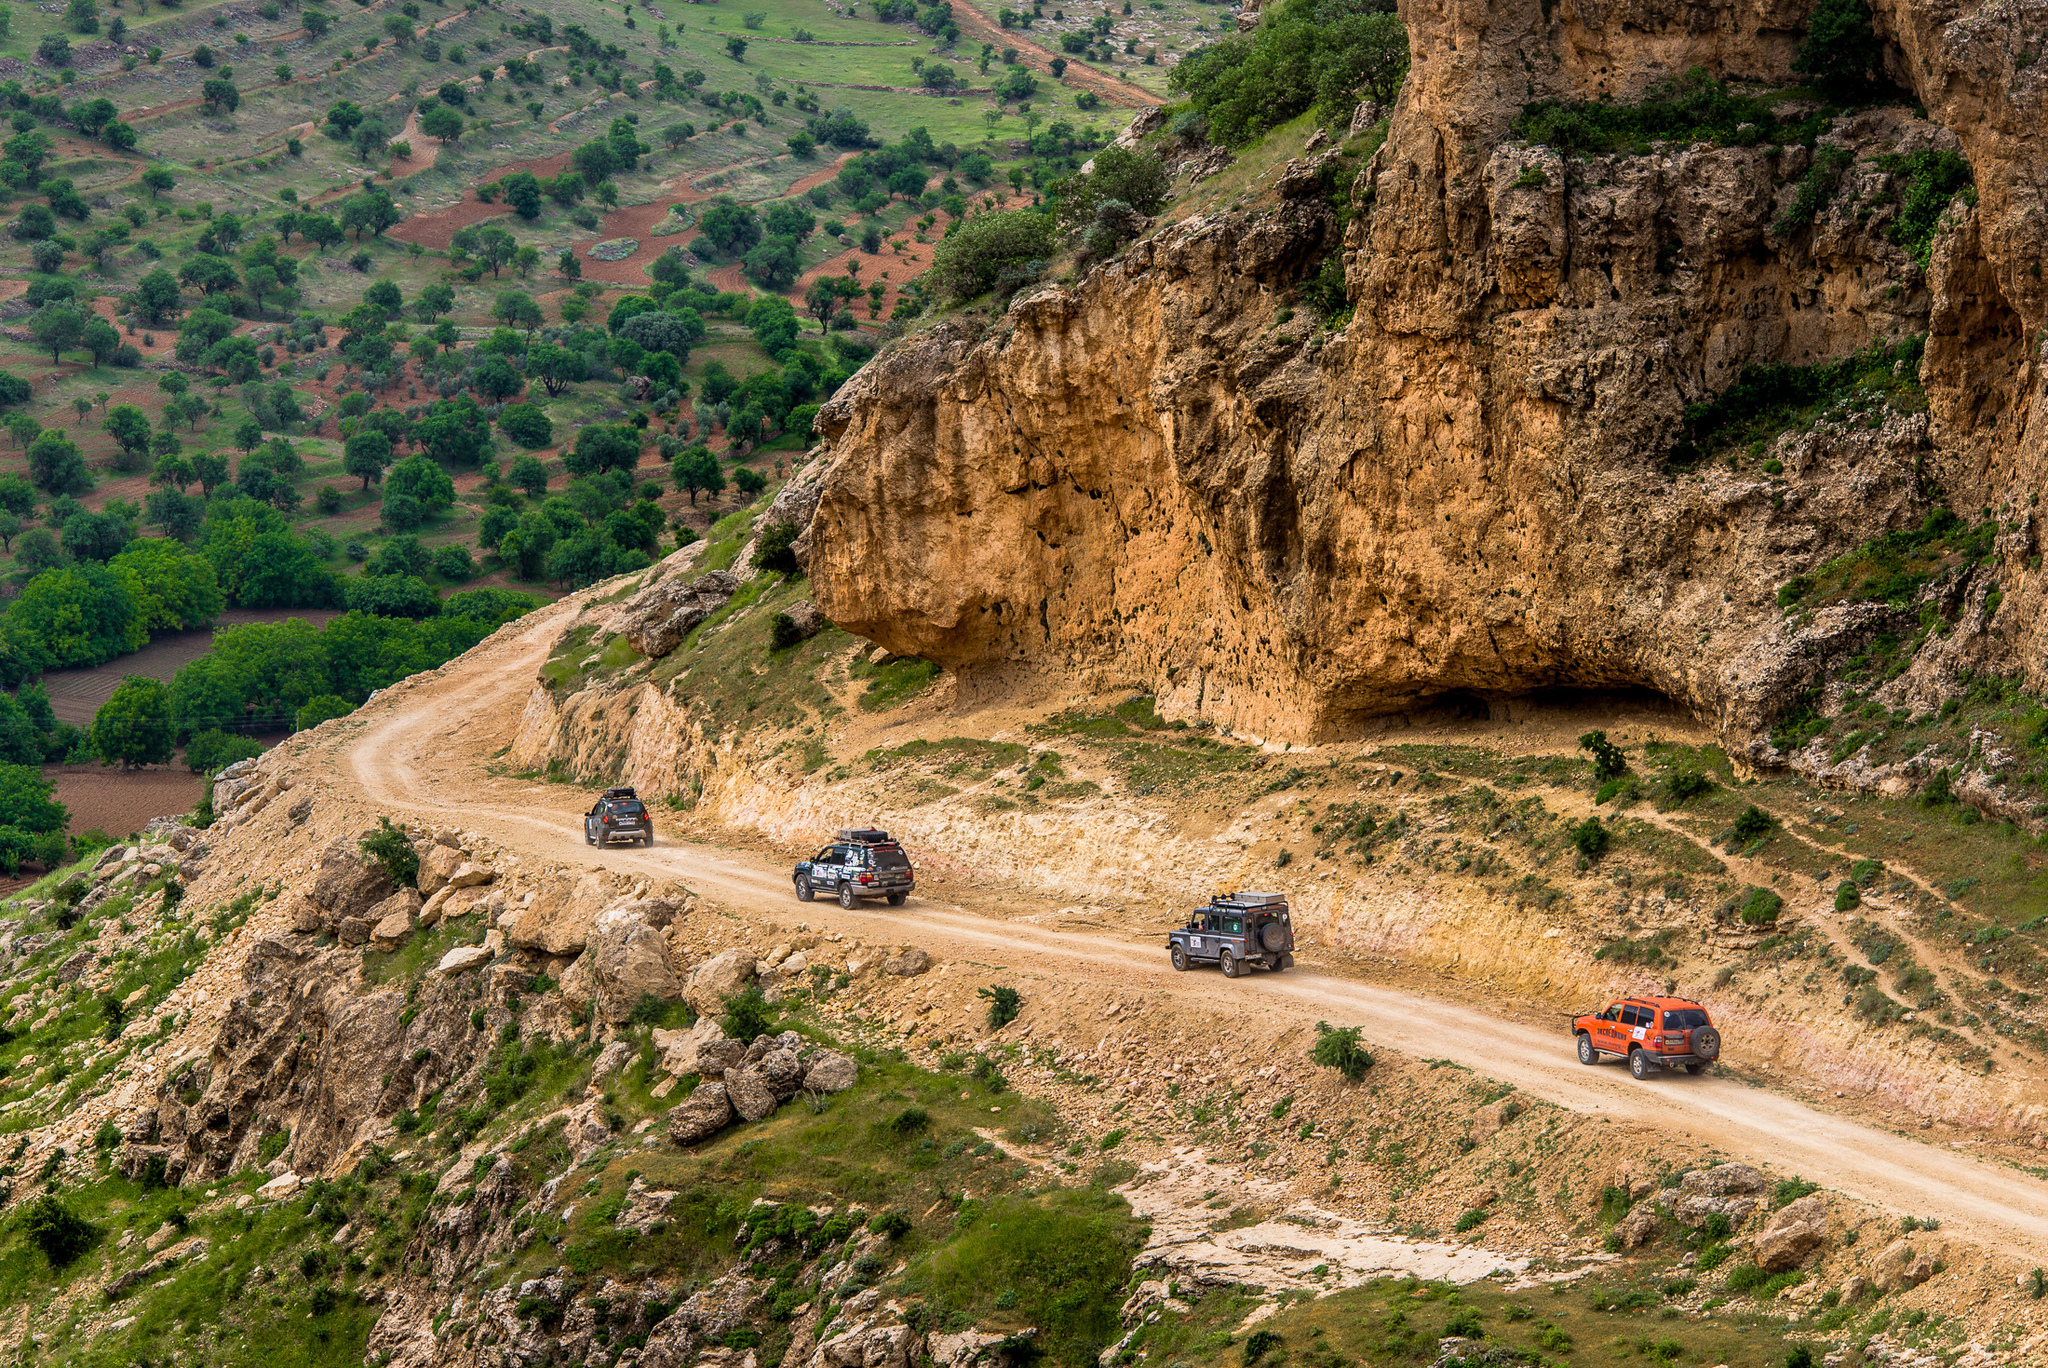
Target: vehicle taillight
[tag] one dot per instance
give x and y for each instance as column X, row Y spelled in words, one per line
column 607, row 819
column 867, row 878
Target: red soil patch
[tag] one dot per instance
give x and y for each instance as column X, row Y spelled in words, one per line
column 978, row 26
column 121, row 803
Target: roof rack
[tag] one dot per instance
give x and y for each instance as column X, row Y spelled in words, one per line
column 1251, row 899
column 864, row 835
column 624, row 791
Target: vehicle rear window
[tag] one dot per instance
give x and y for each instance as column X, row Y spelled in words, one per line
column 629, row 809
column 891, row 859
column 1687, row 1019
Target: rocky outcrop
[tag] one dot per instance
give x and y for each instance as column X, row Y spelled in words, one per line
column 1148, row 479
column 1731, row 1190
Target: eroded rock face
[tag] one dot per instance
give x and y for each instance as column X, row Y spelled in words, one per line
column 347, row 885
column 1141, row 481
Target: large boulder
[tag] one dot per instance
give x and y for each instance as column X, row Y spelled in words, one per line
column 752, row 1092
column 1793, row 1235
column 718, row 978
column 347, row 885
column 830, row 1071
column 683, row 1052
column 704, row 1113
column 631, row 962
column 564, row 913
column 783, row 1073
column 436, row 865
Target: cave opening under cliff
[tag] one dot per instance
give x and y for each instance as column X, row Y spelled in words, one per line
column 1554, row 703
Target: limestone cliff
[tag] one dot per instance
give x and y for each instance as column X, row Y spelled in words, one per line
column 1150, row 477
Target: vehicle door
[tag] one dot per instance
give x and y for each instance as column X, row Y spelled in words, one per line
column 1635, row 1026
column 829, row 867
column 1607, row 1030
column 1202, row 935
column 1233, row 935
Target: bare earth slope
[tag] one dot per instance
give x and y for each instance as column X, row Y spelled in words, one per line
column 422, row 750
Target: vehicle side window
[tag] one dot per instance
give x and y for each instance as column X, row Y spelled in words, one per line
column 1613, row 1013
column 1235, row 926
column 1631, row 1016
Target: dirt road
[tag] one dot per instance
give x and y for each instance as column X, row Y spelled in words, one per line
column 422, row 753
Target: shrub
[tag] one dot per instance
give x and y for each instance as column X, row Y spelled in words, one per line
column 1848, row 897
column 1608, row 760
column 1471, row 1220
column 1685, row 785
column 389, row 846
column 1259, row 1344
column 1842, row 52
column 1003, row 1006
column 1760, row 908
column 1752, row 824
column 747, row 1015
column 527, row 425
column 1939, row 790
column 1339, row 1049
column 892, row 1224
column 910, row 1121
column 57, row 1231
column 1591, row 838
column 783, row 632
column 771, row 548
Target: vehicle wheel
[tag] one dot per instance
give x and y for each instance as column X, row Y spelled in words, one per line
column 1706, row 1043
column 1180, row 959
column 1229, row 965
column 896, row 899
column 588, row 839
column 648, row 839
column 1587, row 1054
column 803, row 889
column 1639, row 1064
column 846, row 898
column 1272, row 964
column 1695, row 1068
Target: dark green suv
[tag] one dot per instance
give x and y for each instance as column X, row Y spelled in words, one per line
column 1236, row 931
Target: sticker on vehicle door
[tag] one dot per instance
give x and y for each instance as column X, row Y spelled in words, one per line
column 1637, row 1034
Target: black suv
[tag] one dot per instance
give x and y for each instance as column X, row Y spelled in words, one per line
column 1237, row 931
column 618, row 816
column 862, row 863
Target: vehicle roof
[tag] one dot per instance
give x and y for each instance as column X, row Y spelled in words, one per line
column 1663, row 1002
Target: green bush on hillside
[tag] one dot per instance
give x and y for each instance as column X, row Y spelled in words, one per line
column 1325, row 55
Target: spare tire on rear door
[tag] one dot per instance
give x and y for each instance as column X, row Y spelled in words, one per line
column 1273, row 936
column 1706, row 1043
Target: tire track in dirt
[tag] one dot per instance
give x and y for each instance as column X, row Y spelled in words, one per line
column 1117, row 92
column 423, row 751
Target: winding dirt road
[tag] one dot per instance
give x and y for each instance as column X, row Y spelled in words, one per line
column 422, row 752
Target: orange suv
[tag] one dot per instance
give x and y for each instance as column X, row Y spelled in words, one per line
column 1652, row 1033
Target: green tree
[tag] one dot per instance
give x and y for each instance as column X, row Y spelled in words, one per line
column 55, row 465
column 419, row 478
column 134, row 726
column 529, row 474
column 58, row 327
column 601, row 447
column 365, row 455
column 696, row 471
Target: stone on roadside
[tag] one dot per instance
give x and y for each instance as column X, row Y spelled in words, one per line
column 718, row 978
column 909, row 964
column 1793, row 1234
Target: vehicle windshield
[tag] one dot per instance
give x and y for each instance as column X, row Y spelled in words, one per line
column 1686, row 1019
column 891, row 859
